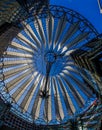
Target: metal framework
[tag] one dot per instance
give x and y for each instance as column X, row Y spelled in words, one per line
column 37, row 74
column 7, row 33
column 36, row 4
column 90, row 119
column 8, row 11
column 15, row 10
column 89, row 57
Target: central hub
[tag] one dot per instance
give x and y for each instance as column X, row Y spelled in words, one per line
column 50, row 57
column 49, row 62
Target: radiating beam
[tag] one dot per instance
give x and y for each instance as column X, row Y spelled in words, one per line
column 15, row 71
column 60, row 27
column 16, row 95
column 75, row 93
column 49, row 28
column 70, row 32
column 58, row 105
column 81, row 37
column 25, row 103
column 25, row 41
column 40, row 31
column 14, row 81
column 21, row 47
column 31, row 33
column 11, row 54
column 16, row 62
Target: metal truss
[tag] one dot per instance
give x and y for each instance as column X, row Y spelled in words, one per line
column 71, row 16
column 37, row 4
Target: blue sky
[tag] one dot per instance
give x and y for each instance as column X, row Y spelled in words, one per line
column 88, row 8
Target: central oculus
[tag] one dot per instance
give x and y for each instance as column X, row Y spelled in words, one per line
column 50, row 57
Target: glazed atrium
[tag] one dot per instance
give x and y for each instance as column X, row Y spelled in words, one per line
column 50, row 65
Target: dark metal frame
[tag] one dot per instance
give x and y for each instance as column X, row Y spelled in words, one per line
column 27, row 4
column 59, row 11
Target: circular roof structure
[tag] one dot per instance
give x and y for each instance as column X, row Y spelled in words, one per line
column 40, row 79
